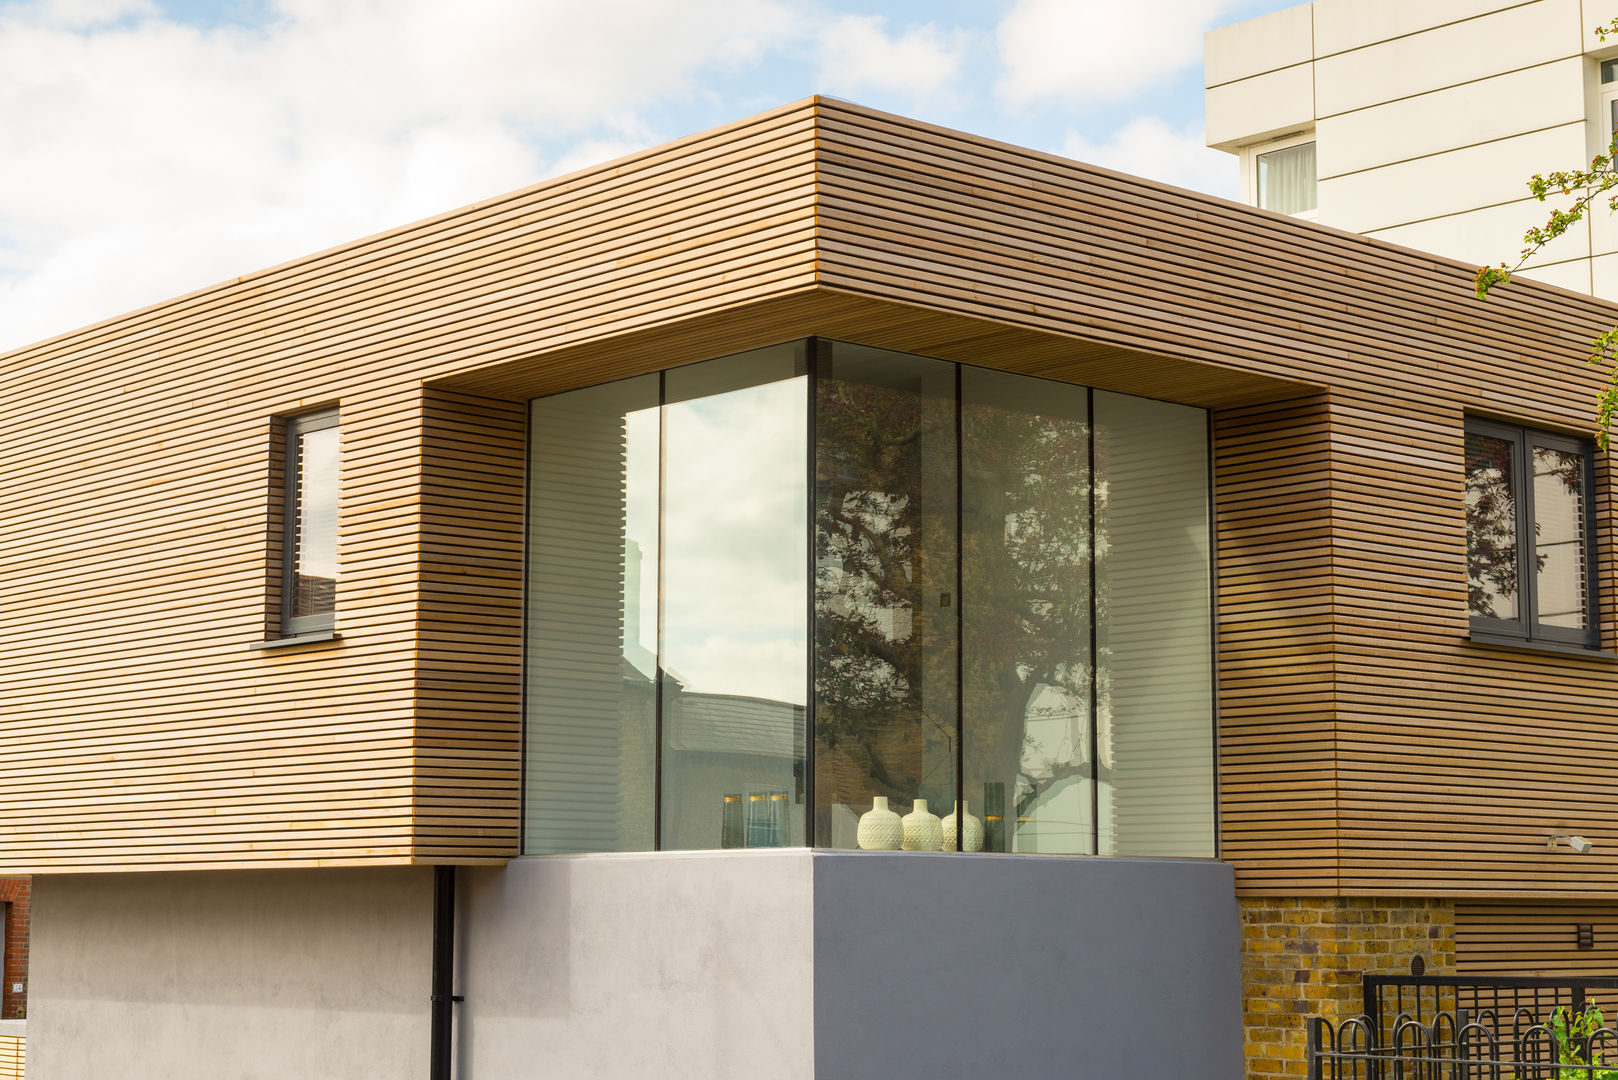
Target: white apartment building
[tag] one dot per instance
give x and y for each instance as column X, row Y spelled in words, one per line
column 1420, row 121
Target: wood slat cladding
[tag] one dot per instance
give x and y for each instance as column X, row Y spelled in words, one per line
column 1450, row 761
column 469, row 624
column 1277, row 720
column 1536, row 939
column 939, row 219
column 137, row 728
column 1368, row 748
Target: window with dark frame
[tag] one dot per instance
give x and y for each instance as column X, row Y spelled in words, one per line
column 309, row 538
column 1530, row 546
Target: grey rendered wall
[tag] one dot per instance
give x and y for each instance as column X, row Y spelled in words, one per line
column 231, row 974
column 941, row 967
column 670, row 965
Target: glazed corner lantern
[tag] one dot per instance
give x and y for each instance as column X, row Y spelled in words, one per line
column 939, row 581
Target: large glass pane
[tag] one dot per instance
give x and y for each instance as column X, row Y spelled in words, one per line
column 735, row 664
column 590, row 730
column 1286, row 179
column 1026, row 665
column 1491, row 527
column 1154, row 637
column 314, row 590
column 885, row 587
column 1562, row 596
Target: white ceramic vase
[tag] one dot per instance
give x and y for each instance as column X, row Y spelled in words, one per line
column 971, row 834
column 922, row 831
column 880, row 829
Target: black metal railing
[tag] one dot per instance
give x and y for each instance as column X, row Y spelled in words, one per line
column 1461, row 1045
column 1510, row 1003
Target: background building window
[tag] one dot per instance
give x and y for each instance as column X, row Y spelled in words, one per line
column 1285, row 179
column 1608, row 111
column 309, row 555
column 769, row 589
column 1529, row 543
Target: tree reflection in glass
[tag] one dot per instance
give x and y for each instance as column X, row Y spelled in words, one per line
column 1491, row 527
column 885, row 575
column 1025, row 553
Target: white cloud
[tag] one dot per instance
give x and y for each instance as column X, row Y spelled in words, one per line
column 82, row 13
column 857, row 55
column 1087, row 53
column 1146, row 146
column 589, row 152
column 143, row 158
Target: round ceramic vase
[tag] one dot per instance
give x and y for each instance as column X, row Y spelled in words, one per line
column 922, row 831
column 880, row 829
column 972, row 834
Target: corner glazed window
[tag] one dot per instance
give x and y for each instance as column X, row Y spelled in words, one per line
column 782, row 597
column 309, row 586
column 1529, row 545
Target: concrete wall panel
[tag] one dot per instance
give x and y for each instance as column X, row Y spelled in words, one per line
column 1447, row 56
column 672, row 966
column 315, row 974
column 1480, row 112
column 1259, row 107
column 1351, row 24
column 1491, row 235
column 1448, row 183
column 1267, row 43
column 1573, row 274
column 1604, row 275
column 955, row 967
column 1603, row 230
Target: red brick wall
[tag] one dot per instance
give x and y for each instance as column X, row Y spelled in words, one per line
column 14, row 898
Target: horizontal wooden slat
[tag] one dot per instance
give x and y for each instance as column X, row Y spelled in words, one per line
column 1366, row 747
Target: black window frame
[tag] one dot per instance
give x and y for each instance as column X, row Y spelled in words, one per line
column 297, row 626
column 1527, row 628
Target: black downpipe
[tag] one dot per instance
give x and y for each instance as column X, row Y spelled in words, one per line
column 443, row 997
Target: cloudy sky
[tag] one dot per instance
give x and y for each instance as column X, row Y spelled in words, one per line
column 152, row 147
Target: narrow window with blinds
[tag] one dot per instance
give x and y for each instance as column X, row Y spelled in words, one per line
column 1286, row 179
column 309, row 525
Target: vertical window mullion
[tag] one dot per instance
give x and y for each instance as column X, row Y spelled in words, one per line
column 1527, row 548
column 812, row 356
column 1095, row 620
column 960, row 808
column 658, row 666
column 1592, row 579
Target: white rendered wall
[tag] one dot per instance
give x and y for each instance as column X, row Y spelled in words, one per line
column 802, row 965
column 1428, row 117
column 787, row 964
column 314, row 974
column 682, row 967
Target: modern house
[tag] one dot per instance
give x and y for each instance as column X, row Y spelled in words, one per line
column 1420, row 123
column 474, row 649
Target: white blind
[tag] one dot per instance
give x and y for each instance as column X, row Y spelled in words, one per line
column 1286, row 179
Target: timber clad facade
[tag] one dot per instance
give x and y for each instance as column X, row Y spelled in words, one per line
column 1367, row 748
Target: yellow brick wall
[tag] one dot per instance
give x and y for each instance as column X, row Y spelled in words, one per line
column 1303, row 957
